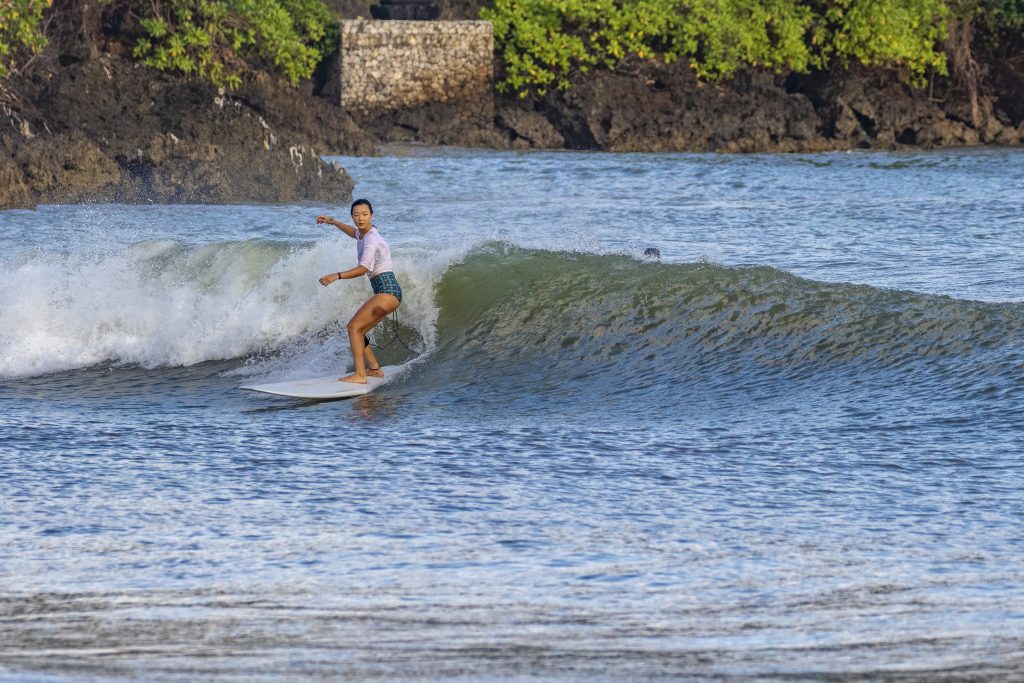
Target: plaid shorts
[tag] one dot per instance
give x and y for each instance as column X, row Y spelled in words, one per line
column 386, row 283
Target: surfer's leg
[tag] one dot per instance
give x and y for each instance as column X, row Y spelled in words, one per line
column 372, row 364
column 368, row 315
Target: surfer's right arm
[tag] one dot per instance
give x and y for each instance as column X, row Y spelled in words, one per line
column 347, row 229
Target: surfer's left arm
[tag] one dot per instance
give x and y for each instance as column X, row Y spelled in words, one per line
column 344, row 275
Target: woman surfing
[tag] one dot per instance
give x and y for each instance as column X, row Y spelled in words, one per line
column 374, row 256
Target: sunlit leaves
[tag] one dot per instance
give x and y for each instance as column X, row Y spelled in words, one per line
column 20, row 31
column 543, row 42
column 899, row 34
column 222, row 39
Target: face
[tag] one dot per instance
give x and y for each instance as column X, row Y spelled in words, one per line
column 363, row 217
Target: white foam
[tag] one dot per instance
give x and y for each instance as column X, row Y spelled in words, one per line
column 159, row 303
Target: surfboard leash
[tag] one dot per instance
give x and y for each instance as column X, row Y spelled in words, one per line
column 398, row 338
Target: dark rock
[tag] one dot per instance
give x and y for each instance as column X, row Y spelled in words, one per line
column 14, row 191
column 64, row 168
column 1008, row 81
column 527, row 128
column 215, row 170
column 437, row 124
column 300, row 115
column 569, row 118
column 120, row 131
column 656, row 107
column 667, row 108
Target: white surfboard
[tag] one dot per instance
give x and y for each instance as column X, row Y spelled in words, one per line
column 323, row 388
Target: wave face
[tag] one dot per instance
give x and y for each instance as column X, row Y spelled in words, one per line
column 501, row 321
column 561, row 325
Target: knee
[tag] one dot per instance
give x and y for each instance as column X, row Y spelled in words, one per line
column 352, row 327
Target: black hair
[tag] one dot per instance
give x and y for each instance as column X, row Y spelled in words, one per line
column 360, row 202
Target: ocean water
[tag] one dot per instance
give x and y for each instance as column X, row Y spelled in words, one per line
column 789, row 448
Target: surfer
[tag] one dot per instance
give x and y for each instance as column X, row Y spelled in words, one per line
column 374, row 256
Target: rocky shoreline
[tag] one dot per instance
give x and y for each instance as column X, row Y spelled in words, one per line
column 111, row 130
column 659, row 108
column 100, row 127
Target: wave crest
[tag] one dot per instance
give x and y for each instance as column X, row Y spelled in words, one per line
column 501, row 315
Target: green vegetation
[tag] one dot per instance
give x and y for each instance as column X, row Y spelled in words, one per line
column 543, row 42
column 216, row 39
column 220, row 39
column 890, row 33
column 1000, row 26
column 20, row 31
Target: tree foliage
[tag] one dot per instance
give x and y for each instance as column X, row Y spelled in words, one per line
column 221, row 39
column 1000, row 26
column 890, row 33
column 21, row 31
column 543, row 42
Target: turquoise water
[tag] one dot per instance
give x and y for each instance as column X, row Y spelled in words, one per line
column 791, row 446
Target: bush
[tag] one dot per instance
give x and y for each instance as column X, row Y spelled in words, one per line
column 1001, row 27
column 20, row 31
column 543, row 42
column 221, row 39
column 897, row 34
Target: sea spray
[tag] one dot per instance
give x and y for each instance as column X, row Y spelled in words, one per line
column 160, row 303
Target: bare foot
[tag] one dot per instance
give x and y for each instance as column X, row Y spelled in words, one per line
column 374, row 372
column 354, row 378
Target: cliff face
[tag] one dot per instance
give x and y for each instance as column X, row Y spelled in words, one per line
column 106, row 129
column 664, row 108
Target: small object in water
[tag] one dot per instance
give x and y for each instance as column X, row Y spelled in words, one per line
column 652, row 253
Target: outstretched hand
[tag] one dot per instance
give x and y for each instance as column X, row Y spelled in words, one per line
column 323, row 219
column 329, row 278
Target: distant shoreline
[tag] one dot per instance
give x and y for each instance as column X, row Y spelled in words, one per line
column 104, row 128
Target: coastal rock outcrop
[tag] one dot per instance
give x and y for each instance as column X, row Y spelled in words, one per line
column 88, row 124
column 65, row 167
column 668, row 109
column 662, row 108
column 527, row 128
column 435, row 124
column 110, row 130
